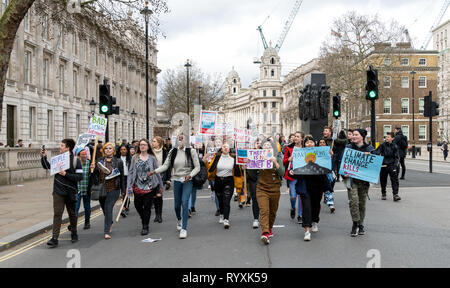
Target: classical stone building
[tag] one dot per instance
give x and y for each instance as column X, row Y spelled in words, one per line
column 440, row 43
column 55, row 71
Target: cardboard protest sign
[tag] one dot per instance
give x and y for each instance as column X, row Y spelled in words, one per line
column 311, row 161
column 60, row 161
column 97, row 126
column 243, row 145
column 259, row 159
column 83, row 141
column 207, row 122
column 241, row 157
column 224, row 129
column 336, row 125
column 241, row 135
column 360, row 166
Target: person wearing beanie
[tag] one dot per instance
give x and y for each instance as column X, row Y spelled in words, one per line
column 358, row 189
column 84, row 188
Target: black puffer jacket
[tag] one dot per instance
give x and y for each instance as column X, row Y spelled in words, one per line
column 390, row 152
column 402, row 143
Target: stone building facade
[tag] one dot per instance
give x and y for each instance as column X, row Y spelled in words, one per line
column 55, row 71
column 440, row 43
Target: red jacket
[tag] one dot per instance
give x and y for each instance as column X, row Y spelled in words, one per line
column 286, row 163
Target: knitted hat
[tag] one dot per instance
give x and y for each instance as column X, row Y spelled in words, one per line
column 363, row 132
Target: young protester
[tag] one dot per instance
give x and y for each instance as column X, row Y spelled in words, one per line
column 402, row 144
column 291, row 182
column 252, row 179
column 358, row 189
column 315, row 185
column 124, row 155
column 268, row 192
column 185, row 165
column 328, row 195
column 84, row 188
column 145, row 184
column 132, row 151
column 390, row 164
column 64, row 191
column 109, row 171
column 161, row 156
column 225, row 169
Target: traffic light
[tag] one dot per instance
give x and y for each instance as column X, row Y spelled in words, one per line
column 430, row 108
column 372, row 84
column 105, row 100
column 337, row 106
column 434, row 108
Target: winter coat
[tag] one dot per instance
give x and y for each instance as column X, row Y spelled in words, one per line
column 390, row 152
column 119, row 180
column 238, row 174
column 402, row 144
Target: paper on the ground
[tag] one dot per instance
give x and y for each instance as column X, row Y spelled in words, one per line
column 150, row 240
column 279, row 226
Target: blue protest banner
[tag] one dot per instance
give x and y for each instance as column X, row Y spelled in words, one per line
column 358, row 165
column 311, row 161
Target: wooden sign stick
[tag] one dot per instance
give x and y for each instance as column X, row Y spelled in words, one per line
column 121, row 207
column 95, row 151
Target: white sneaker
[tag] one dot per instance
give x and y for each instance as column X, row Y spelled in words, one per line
column 221, row 219
column 226, row 224
column 179, row 225
column 314, row 227
column 183, row 234
column 307, row 236
column 255, row 224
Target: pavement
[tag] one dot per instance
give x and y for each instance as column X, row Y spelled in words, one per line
column 26, row 214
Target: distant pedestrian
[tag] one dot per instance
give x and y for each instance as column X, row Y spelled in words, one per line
column 358, row 189
column 124, row 155
column 402, row 144
column 444, row 149
column 64, row 191
column 252, row 179
column 161, row 156
column 84, row 188
column 145, row 184
column 328, row 195
column 19, row 144
column 109, row 171
column 390, row 165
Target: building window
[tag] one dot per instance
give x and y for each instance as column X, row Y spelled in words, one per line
column 61, row 78
column 421, row 105
column 234, row 81
column 387, row 106
column 386, row 129
column 265, row 105
column 422, row 82
column 32, row 123
column 78, row 124
column 74, row 44
column 86, row 86
column 75, row 83
column 405, row 106
column 405, row 82
column 423, row 132
column 265, row 117
column 387, row 81
column 86, row 50
column 405, row 62
column 272, row 73
column 422, row 62
column 264, row 93
column 274, row 104
column 264, row 129
column 45, row 73
column 45, row 27
column 274, row 117
column 272, row 61
column 405, row 130
column 50, row 125
column 274, row 93
column 387, row 61
column 234, row 90
column 274, row 130
column 64, row 126
column 60, row 36
column 27, row 67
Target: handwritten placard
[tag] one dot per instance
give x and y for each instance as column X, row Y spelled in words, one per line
column 97, row 126
column 358, row 165
column 208, row 122
column 60, row 161
column 259, row 159
column 311, row 161
column 242, row 157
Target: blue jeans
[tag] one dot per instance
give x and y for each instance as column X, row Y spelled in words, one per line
column 192, row 198
column 87, row 206
column 294, row 196
column 181, row 192
column 211, row 183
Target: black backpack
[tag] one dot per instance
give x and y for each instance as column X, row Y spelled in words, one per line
column 201, row 176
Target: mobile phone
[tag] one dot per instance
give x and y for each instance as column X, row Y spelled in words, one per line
column 43, row 147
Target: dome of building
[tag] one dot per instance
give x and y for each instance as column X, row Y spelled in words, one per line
column 270, row 51
column 233, row 74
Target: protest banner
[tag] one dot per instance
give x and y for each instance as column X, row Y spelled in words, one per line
column 242, row 157
column 358, row 165
column 243, row 145
column 83, row 141
column 242, row 135
column 207, row 122
column 336, row 126
column 224, row 129
column 311, row 161
column 61, row 161
column 98, row 126
column 259, row 159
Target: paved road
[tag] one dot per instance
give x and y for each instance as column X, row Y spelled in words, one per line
column 420, row 165
column 412, row 233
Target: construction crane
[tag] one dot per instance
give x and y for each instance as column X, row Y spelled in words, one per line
column 286, row 28
column 439, row 19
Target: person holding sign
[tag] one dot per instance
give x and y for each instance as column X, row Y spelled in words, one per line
column 359, row 189
column 64, row 191
column 252, row 179
column 268, row 192
column 225, row 168
column 109, row 171
column 391, row 159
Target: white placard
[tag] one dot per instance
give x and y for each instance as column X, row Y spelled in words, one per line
column 60, row 161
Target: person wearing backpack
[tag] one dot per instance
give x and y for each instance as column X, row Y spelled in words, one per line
column 228, row 175
column 197, row 182
column 402, row 143
column 185, row 164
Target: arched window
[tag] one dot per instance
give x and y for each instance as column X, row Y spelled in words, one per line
column 272, row 61
column 234, row 81
column 272, row 73
column 234, row 90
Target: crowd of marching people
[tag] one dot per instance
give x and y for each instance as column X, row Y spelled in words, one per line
column 144, row 170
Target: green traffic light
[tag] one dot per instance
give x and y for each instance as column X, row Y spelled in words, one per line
column 336, row 113
column 104, row 108
column 372, row 94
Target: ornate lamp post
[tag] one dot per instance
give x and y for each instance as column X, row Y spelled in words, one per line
column 133, row 116
column 187, row 65
column 146, row 12
column 413, row 116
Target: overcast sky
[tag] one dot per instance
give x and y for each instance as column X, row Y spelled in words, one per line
column 220, row 34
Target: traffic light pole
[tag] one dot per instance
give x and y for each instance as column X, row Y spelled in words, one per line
column 372, row 120
column 107, row 129
column 431, row 133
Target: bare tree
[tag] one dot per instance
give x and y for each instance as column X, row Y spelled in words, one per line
column 111, row 13
column 173, row 90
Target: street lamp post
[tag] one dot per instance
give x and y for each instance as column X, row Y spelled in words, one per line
column 92, row 104
column 133, row 116
column 187, row 65
column 413, row 116
column 199, row 100
column 146, row 12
